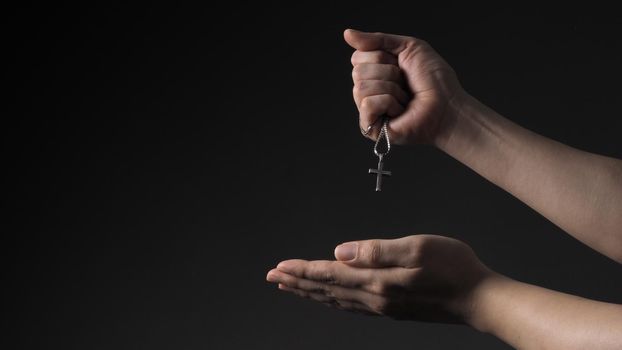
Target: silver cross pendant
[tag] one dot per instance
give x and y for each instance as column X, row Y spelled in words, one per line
column 380, row 172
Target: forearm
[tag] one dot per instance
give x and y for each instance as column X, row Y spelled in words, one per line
column 578, row 191
column 530, row 317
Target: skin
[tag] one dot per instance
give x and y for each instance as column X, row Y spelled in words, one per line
column 440, row 279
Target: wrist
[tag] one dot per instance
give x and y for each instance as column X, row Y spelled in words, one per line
column 481, row 310
column 454, row 118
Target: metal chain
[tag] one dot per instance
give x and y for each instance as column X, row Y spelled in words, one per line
column 383, row 134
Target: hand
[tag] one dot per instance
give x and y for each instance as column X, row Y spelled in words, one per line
column 404, row 78
column 420, row 277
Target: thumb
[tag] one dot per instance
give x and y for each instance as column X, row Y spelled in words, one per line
column 400, row 252
column 365, row 41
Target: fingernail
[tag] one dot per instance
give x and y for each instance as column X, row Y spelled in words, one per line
column 346, row 251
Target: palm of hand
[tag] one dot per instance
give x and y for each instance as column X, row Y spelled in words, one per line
column 421, row 277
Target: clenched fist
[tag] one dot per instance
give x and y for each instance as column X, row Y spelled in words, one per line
column 404, row 78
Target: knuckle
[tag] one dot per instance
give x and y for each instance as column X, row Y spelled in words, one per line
column 412, row 253
column 312, row 272
column 412, row 42
column 359, row 88
column 362, row 85
column 379, row 288
column 325, row 275
column 354, row 57
column 356, row 92
column 412, row 46
column 367, row 103
column 329, row 279
column 374, row 251
column 357, row 72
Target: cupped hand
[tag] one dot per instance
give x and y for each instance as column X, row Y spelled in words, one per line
column 404, row 78
column 420, row 277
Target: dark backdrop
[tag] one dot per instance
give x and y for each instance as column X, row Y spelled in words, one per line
column 161, row 159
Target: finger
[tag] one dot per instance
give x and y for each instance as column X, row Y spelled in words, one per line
column 374, row 107
column 366, row 88
column 373, row 253
column 329, row 290
column 345, row 305
column 305, row 293
column 333, row 273
column 365, row 41
column 328, row 272
column 376, row 71
column 378, row 56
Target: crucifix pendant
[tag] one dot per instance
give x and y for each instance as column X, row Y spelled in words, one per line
column 380, row 172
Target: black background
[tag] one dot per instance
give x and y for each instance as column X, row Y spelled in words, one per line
column 161, row 159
